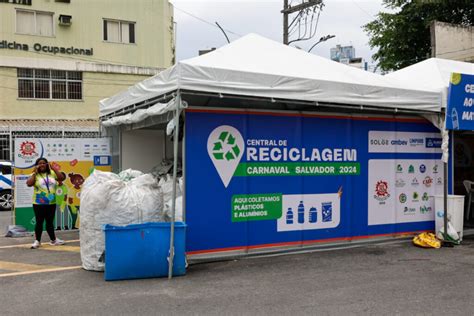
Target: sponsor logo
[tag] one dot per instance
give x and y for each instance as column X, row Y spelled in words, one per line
column 435, row 168
column 411, row 169
column 425, row 196
column 433, row 142
column 399, row 168
column 409, row 210
column 425, row 209
column 399, row 183
column 439, row 181
column 417, row 141
column 402, row 198
column 379, row 142
column 28, row 150
column 415, row 196
column 381, row 191
column 428, row 181
column 399, row 142
column 414, row 182
column 422, row 168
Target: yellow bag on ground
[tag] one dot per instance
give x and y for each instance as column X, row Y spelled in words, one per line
column 426, row 240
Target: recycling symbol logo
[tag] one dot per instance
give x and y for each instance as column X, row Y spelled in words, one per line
column 226, row 148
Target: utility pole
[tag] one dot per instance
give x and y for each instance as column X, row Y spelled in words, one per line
column 285, row 22
column 287, row 10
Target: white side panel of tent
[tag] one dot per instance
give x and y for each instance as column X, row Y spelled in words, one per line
column 142, row 149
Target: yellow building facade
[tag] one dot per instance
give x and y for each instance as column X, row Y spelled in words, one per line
column 58, row 58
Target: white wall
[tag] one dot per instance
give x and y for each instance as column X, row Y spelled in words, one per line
column 451, row 41
column 142, row 149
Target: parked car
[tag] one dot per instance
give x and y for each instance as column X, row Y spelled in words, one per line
column 6, row 194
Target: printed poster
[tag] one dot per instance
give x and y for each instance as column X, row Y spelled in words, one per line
column 460, row 105
column 288, row 179
column 76, row 157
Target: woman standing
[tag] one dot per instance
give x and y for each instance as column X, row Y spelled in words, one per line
column 44, row 179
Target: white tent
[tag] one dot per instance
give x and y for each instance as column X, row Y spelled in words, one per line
column 433, row 73
column 258, row 67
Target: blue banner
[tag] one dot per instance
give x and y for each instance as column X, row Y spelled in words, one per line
column 460, row 111
column 274, row 179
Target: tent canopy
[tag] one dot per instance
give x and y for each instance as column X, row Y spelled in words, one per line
column 258, row 67
column 433, row 73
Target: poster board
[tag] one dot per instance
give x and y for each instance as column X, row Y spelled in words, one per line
column 460, row 106
column 76, row 157
column 291, row 179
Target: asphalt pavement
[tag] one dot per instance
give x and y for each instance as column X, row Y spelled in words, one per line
column 394, row 278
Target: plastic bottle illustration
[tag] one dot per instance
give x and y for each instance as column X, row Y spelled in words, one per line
column 301, row 213
column 454, row 117
column 326, row 210
column 313, row 215
column 289, row 216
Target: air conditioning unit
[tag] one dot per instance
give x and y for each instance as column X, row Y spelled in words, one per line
column 65, row 20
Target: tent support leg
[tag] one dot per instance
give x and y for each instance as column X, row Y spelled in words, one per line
column 445, row 200
column 175, row 171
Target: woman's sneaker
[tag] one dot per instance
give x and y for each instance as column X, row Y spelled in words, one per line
column 57, row 242
column 36, row 244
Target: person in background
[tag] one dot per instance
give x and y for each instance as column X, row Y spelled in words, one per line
column 62, row 213
column 45, row 179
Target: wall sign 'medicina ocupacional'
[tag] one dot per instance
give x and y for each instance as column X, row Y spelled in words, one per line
column 23, row 2
column 37, row 47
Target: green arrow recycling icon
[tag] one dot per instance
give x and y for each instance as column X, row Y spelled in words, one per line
column 225, row 147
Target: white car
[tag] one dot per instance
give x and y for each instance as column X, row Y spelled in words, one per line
column 6, row 195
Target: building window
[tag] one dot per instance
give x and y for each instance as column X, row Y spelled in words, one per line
column 34, row 23
column 119, row 31
column 4, row 146
column 49, row 84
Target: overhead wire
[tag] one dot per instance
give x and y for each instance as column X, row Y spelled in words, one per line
column 312, row 31
column 205, row 21
column 293, row 29
column 368, row 14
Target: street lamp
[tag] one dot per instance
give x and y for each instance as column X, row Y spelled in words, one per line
column 322, row 39
column 223, row 32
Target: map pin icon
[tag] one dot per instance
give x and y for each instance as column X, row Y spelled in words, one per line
column 225, row 147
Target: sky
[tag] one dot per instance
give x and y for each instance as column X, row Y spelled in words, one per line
column 196, row 29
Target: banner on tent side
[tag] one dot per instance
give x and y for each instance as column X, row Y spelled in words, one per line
column 460, row 107
column 76, row 157
column 283, row 180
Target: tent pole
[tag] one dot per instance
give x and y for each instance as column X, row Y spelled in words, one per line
column 445, row 158
column 445, row 200
column 175, row 171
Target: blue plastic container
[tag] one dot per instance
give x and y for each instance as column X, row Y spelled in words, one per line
column 141, row 251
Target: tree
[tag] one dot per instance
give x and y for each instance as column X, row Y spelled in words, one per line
column 403, row 37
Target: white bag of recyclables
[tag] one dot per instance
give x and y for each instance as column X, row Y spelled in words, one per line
column 166, row 184
column 107, row 199
column 129, row 174
column 178, row 215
